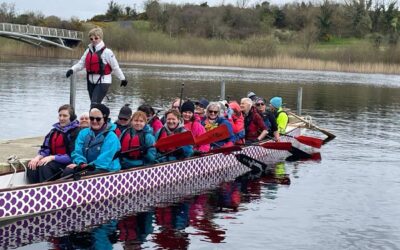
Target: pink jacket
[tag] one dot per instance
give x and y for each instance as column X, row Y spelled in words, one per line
column 156, row 124
column 197, row 129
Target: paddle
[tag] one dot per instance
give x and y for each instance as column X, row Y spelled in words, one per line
column 324, row 131
column 258, row 166
column 307, row 140
column 214, row 135
column 277, row 145
column 180, row 98
column 225, row 151
column 78, row 170
column 175, row 141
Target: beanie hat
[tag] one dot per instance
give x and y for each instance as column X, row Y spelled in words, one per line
column 203, row 103
column 103, row 109
column 276, row 102
column 125, row 112
column 260, row 99
column 251, row 95
column 187, row 106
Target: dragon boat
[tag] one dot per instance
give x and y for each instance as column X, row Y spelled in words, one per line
column 19, row 199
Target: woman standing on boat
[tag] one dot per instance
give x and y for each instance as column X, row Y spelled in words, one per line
column 97, row 145
column 173, row 125
column 213, row 119
column 191, row 124
column 139, row 136
column 99, row 62
column 55, row 153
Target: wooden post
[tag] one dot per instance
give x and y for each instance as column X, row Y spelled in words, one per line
column 72, row 89
column 299, row 100
column 222, row 97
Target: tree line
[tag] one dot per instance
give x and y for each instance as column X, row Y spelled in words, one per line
column 315, row 21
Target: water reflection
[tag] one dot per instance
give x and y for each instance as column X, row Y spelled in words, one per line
column 137, row 220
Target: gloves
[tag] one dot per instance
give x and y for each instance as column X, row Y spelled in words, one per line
column 229, row 112
column 69, row 73
column 124, row 83
column 197, row 153
column 179, row 153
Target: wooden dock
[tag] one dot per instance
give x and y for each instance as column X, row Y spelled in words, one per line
column 25, row 149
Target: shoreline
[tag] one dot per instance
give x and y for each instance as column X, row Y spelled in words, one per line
column 277, row 62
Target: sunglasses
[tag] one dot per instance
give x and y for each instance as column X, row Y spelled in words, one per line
column 213, row 111
column 122, row 119
column 260, row 104
column 96, row 38
column 98, row 119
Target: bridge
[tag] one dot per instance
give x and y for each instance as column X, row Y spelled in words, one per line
column 41, row 36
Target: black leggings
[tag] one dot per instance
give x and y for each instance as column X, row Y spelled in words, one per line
column 97, row 92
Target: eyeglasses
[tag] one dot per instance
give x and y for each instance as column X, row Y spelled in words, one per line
column 175, row 107
column 260, row 104
column 98, row 119
column 213, row 111
column 95, row 38
column 122, row 119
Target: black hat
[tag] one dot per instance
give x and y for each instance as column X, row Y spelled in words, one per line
column 187, row 106
column 202, row 102
column 125, row 112
column 103, row 109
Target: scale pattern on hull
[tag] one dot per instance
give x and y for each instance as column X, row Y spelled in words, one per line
column 60, row 195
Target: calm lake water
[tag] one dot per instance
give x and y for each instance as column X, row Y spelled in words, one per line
column 348, row 200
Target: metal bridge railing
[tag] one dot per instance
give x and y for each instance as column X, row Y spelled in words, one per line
column 41, row 31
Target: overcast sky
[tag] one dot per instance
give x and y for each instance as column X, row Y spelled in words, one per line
column 84, row 9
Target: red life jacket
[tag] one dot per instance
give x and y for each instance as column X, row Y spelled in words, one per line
column 164, row 133
column 57, row 144
column 94, row 64
column 118, row 132
column 128, row 142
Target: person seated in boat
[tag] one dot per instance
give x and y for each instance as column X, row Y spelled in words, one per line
column 214, row 118
column 268, row 117
column 139, row 136
column 124, row 119
column 152, row 119
column 84, row 120
column 252, row 96
column 96, row 146
column 235, row 117
column 191, row 124
column 200, row 108
column 175, row 105
column 173, row 125
column 255, row 129
column 55, row 152
column 281, row 117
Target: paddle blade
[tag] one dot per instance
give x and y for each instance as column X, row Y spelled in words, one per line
column 250, row 162
column 310, row 141
column 217, row 134
column 175, row 141
column 226, row 150
column 277, row 145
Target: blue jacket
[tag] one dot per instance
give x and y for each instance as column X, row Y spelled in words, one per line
column 149, row 148
column 99, row 149
column 181, row 153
